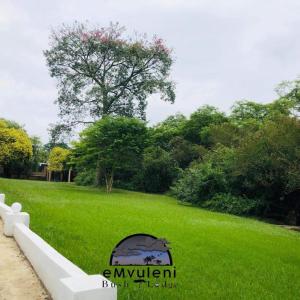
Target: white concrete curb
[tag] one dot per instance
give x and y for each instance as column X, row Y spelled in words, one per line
column 63, row 279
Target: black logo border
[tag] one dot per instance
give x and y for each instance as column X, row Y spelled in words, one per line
column 129, row 236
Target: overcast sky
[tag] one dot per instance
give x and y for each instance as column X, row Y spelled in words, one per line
column 224, row 50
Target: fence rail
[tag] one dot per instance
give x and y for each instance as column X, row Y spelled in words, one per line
column 63, row 279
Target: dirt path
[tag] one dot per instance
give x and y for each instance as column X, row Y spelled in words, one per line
column 295, row 228
column 17, row 279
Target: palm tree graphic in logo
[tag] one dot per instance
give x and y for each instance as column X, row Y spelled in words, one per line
column 141, row 250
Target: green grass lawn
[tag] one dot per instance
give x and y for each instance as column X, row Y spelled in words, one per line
column 217, row 256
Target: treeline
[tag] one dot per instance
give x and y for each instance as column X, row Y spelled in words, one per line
column 245, row 163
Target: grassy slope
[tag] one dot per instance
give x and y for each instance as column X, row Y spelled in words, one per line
column 217, row 256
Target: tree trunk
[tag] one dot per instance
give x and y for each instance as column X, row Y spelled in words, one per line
column 69, row 175
column 61, row 176
column 50, row 173
column 109, row 179
column 98, row 174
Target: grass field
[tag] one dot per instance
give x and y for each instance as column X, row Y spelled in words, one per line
column 217, row 256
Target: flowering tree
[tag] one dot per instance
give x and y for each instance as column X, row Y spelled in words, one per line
column 100, row 72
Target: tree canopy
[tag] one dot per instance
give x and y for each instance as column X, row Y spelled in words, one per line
column 58, row 158
column 204, row 116
column 111, row 144
column 15, row 146
column 102, row 72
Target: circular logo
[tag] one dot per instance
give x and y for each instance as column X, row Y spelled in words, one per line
column 141, row 250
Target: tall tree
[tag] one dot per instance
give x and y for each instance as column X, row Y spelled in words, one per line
column 110, row 145
column 100, row 72
column 58, row 136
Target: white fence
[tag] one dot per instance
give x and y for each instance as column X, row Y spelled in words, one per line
column 63, row 279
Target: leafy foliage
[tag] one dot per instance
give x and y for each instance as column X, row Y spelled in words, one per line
column 290, row 91
column 59, row 135
column 200, row 183
column 228, row 134
column 204, row 116
column 15, row 148
column 246, row 162
column 162, row 134
column 260, row 164
column 231, row 204
column 101, row 72
column 159, row 170
column 250, row 110
column 10, row 123
column 86, row 177
column 268, row 162
column 184, row 152
column 112, row 144
column 58, row 158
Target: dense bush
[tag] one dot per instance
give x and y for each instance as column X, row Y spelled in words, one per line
column 200, row 183
column 159, row 170
column 228, row 203
column 162, row 134
column 204, row 116
column 109, row 146
column 86, row 177
column 267, row 165
column 229, row 134
column 264, row 165
column 184, row 152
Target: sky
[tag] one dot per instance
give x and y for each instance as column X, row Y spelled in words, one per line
column 224, row 51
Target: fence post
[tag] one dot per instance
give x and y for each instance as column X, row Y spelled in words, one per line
column 2, row 198
column 13, row 217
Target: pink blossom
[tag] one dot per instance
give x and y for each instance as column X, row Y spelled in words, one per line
column 98, row 34
column 160, row 46
column 104, row 38
column 84, row 37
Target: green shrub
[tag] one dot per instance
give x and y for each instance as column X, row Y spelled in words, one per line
column 267, row 164
column 200, row 183
column 184, row 152
column 110, row 146
column 229, row 203
column 86, row 177
column 159, row 170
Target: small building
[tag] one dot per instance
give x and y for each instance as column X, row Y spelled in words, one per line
column 41, row 173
